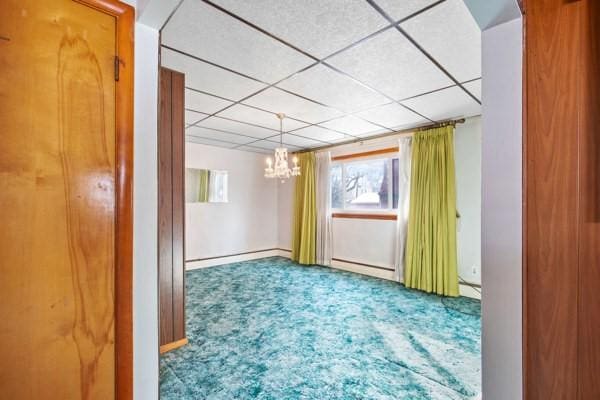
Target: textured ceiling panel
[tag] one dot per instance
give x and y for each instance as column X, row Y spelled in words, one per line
column 208, row 78
column 400, row 9
column 474, row 87
column 351, row 125
column 449, row 33
column 391, row 64
column 208, row 33
column 192, row 116
column 204, row 103
column 445, row 104
column 251, row 115
column 209, row 142
column 329, row 87
column 236, row 127
column 299, row 141
column 276, row 100
column 392, row 116
column 270, row 145
column 254, row 149
column 318, row 133
column 217, row 135
column 317, row 27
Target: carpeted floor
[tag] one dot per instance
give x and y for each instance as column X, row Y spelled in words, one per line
column 272, row 329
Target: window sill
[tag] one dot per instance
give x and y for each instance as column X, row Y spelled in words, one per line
column 379, row 216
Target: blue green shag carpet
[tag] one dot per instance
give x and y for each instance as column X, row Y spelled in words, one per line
column 273, row 329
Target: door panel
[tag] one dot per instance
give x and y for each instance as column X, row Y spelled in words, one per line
column 57, row 201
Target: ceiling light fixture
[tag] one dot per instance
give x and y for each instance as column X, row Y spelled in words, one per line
column 281, row 169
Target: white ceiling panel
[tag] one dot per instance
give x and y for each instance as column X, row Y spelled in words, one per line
column 391, row 64
column 318, row 133
column 270, row 145
column 445, row 104
column 392, row 115
column 400, row 9
column 317, row 27
column 300, row 141
column 351, row 125
column 217, row 135
column 209, row 142
column 276, row 100
column 253, row 149
column 450, row 34
column 204, row 103
column 251, row 115
column 474, row 87
column 208, row 78
column 236, row 127
column 329, row 87
column 193, row 116
column 199, row 29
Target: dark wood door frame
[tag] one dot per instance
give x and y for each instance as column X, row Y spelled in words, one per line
column 125, row 19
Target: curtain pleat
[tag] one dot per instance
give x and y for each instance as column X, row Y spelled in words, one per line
column 305, row 212
column 431, row 260
column 324, row 222
column 204, row 178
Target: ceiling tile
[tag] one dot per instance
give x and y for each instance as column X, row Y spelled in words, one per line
column 251, row 115
column 271, row 145
column 445, row 104
column 329, row 87
column 373, row 133
column 209, row 142
column 317, row 27
column 217, row 135
column 390, row 63
column 351, row 125
column 276, row 100
column 301, row 142
column 204, row 103
column 391, row 116
column 253, row 149
column 207, row 78
column 193, row 116
column 450, row 34
column 401, row 9
column 203, row 31
column 318, row 133
column 236, row 127
column 474, row 87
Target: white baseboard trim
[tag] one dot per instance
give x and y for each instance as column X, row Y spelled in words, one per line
column 211, row 262
column 465, row 290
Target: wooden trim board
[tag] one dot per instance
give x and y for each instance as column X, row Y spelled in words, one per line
column 173, row 345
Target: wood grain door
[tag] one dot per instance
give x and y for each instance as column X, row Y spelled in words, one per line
column 57, row 201
column 562, row 232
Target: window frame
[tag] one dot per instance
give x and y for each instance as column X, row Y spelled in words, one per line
column 365, row 213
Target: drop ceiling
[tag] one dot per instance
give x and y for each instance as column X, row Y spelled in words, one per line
column 339, row 70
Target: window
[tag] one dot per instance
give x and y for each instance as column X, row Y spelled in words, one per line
column 370, row 184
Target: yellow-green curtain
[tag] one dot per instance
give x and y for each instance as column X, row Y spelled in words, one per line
column 204, row 178
column 304, row 235
column 431, row 263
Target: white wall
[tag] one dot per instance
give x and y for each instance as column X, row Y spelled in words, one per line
column 502, row 212
column 248, row 222
column 467, row 151
column 145, row 206
column 372, row 241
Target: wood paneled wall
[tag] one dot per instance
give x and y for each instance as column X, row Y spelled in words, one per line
column 562, row 218
column 171, row 207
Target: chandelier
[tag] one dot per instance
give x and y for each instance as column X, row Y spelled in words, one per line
column 281, row 169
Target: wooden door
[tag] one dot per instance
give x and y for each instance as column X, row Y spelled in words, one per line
column 562, row 232
column 171, row 209
column 59, row 196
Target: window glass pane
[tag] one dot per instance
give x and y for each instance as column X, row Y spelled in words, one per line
column 336, row 187
column 366, row 185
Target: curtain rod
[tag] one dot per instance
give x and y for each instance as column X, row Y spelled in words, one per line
column 410, row 130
